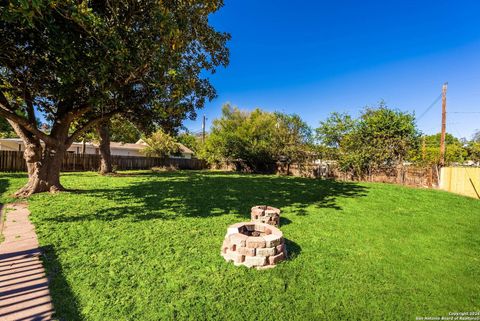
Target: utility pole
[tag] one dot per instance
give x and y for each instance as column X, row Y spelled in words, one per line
column 203, row 129
column 444, row 124
column 424, row 149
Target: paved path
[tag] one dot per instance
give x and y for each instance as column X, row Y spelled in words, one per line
column 24, row 293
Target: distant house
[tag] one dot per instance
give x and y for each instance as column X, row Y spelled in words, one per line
column 16, row 144
column 184, row 151
column 120, row 149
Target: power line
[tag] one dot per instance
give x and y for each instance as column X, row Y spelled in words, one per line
column 464, row 112
column 455, row 129
column 430, row 107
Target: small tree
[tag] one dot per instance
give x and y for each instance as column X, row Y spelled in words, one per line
column 160, row 144
column 428, row 153
column 473, row 147
column 293, row 143
column 242, row 135
column 332, row 132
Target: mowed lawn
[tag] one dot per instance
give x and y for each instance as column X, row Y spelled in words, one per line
column 146, row 246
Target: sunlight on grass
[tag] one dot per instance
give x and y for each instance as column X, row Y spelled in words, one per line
column 144, row 246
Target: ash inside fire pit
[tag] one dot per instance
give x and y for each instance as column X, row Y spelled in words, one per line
column 254, row 244
column 250, row 231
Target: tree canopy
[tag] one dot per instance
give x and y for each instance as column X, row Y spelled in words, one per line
column 257, row 138
column 293, row 138
column 190, row 141
column 381, row 138
column 428, row 150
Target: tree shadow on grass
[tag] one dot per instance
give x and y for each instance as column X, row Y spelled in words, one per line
column 4, row 184
column 64, row 301
column 26, row 292
column 9, row 180
column 284, row 221
column 207, row 194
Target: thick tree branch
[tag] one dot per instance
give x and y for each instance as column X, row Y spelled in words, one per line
column 91, row 123
column 27, row 137
column 30, row 109
column 6, row 112
column 78, row 112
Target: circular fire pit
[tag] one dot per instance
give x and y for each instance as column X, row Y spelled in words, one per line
column 254, row 244
column 266, row 214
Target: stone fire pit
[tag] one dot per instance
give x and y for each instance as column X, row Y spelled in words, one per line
column 266, row 214
column 254, row 244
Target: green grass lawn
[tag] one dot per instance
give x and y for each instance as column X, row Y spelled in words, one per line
column 144, row 246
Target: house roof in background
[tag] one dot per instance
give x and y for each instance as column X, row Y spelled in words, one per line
column 126, row 146
column 137, row 146
column 20, row 141
column 184, row 149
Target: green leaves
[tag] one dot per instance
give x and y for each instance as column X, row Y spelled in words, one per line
column 189, row 140
column 258, row 138
column 381, row 138
column 6, row 131
column 428, row 152
column 142, row 59
column 160, row 144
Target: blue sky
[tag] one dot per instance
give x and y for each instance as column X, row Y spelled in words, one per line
column 316, row 57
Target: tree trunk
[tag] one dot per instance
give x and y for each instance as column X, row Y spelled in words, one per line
column 43, row 170
column 106, row 159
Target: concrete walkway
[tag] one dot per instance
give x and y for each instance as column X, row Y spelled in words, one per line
column 24, row 293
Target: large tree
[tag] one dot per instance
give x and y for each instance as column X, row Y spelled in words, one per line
column 332, row 132
column 79, row 63
column 256, row 139
column 294, row 141
column 242, row 136
column 124, row 131
column 115, row 129
column 380, row 139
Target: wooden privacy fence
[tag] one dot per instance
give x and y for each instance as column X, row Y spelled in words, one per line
column 403, row 175
column 461, row 180
column 13, row 161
